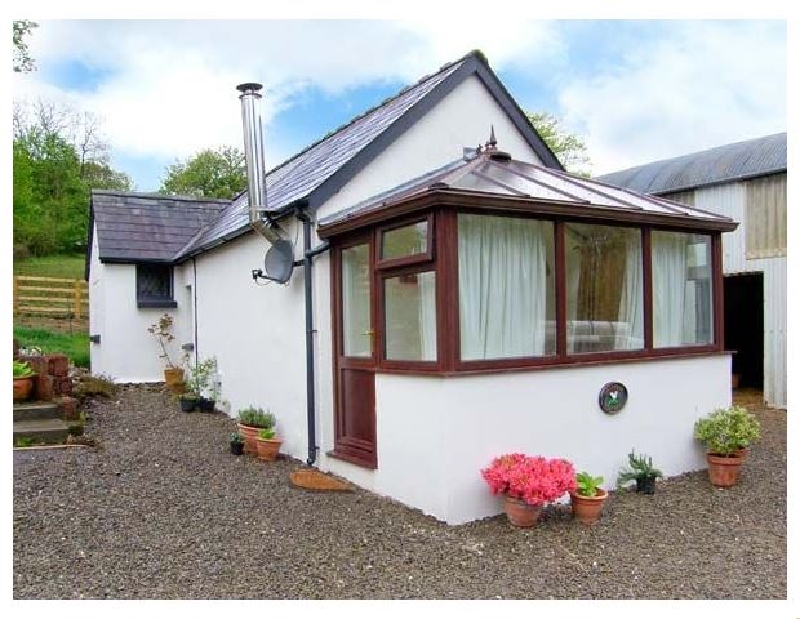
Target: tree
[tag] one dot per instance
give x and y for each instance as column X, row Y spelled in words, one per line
column 23, row 63
column 59, row 156
column 211, row 173
column 568, row 147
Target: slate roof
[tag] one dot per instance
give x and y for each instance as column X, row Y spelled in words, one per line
column 737, row 161
column 320, row 170
column 148, row 227
column 497, row 175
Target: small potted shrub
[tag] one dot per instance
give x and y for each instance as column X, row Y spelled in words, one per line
column 251, row 421
column 23, row 380
column 267, row 445
column 528, row 483
column 237, row 444
column 640, row 469
column 588, row 498
column 726, row 434
column 199, row 383
column 173, row 372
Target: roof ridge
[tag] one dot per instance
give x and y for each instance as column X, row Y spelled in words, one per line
column 692, row 154
column 474, row 53
column 157, row 196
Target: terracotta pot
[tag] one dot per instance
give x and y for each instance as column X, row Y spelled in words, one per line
column 250, row 434
column 520, row 514
column 741, row 453
column 587, row 509
column 173, row 377
column 268, row 448
column 724, row 471
column 23, row 387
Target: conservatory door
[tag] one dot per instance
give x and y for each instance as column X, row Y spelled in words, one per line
column 355, row 356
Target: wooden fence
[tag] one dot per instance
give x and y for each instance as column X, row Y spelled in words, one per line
column 58, row 298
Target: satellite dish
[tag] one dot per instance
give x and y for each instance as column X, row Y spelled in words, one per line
column 279, row 261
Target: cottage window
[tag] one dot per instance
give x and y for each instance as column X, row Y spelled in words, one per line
column 505, row 287
column 154, row 286
column 605, row 292
column 682, row 301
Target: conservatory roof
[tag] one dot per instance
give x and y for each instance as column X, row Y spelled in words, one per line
column 493, row 180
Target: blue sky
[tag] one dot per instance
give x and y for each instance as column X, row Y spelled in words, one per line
column 635, row 90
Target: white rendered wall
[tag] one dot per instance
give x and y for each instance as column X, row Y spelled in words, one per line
column 127, row 352
column 434, row 435
column 462, row 119
column 257, row 334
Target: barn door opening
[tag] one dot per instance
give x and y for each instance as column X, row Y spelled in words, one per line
column 744, row 327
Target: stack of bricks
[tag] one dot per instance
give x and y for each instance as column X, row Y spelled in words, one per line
column 52, row 381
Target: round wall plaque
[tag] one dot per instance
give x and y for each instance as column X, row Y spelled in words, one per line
column 613, row 397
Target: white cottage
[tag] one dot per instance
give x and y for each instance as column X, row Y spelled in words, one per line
column 446, row 306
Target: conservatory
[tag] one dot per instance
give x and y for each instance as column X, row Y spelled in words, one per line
column 482, row 308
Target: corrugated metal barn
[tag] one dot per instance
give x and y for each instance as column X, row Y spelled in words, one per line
column 747, row 182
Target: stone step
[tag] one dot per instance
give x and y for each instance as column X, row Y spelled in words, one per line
column 28, row 411
column 48, row 430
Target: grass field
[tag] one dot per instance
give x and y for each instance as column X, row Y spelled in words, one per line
column 70, row 337
column 75, row 345
column 65, row 267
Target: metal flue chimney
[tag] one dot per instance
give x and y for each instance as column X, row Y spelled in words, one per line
column 254, row 158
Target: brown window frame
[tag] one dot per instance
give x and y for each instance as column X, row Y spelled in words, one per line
column 442, row 259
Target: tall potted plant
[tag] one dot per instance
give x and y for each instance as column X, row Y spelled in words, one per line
column 173, row 372
column 23, row 380
column 726, row 434
column 197, row 385
column 528, row 483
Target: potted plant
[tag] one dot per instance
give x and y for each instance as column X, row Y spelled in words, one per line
column 237, row 444
column 641, row 469
column 198, row 384
column 726, row 433
column 23, row 380
column 588, row 498
column 251, row 421
column 528, row 483
column 267, row 445
column 173, row 372
column 188, row 402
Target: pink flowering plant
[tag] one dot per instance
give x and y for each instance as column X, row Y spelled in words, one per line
column 534, row 479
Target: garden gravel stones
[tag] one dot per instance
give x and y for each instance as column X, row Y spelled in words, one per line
column 161, row 509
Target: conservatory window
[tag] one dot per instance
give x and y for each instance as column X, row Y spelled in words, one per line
column 410, row 316
column 604, row 288
column 407, row 241
column 682, row 302
column 506, row 287
column 356, row 323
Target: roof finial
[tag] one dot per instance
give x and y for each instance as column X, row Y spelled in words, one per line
column 492, row 143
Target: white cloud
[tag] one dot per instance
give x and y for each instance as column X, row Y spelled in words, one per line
column 701, row 85
column 170, row 89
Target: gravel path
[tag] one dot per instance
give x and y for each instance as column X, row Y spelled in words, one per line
column 163, row 510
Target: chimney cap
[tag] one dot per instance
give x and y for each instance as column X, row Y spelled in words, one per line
column 254, row 86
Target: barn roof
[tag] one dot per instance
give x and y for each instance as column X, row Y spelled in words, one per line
column 737, row 161
column 502, row 182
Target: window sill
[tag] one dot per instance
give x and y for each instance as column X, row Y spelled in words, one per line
column 156, row 303
column 362, row 461
column 570, row 363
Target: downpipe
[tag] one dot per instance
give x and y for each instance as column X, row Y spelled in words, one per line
column 308, row 265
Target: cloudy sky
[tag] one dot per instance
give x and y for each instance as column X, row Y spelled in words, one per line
column 636, row 91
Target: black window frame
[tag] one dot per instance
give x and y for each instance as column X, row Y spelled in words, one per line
column 155, row 301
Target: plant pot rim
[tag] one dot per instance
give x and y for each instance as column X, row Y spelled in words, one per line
column 269, row 440
column 29, row 376
column 524, row 502
column 732, row 457
column 601, row 496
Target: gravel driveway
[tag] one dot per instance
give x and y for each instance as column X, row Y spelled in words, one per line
column 163, row 510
